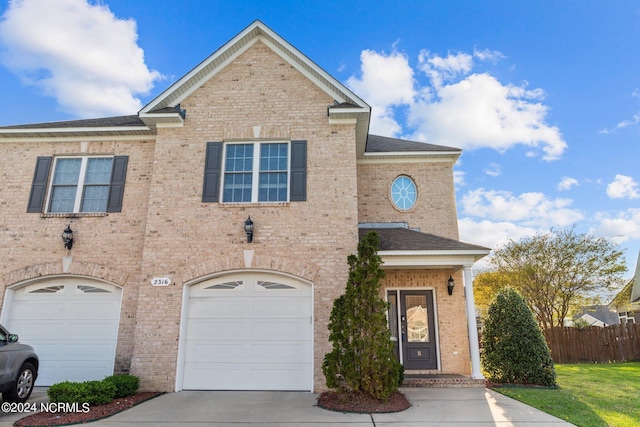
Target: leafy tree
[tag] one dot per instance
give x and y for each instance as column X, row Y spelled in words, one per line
column 514, row 350
column 486, row 286
column 558, row 270
column 362, row 359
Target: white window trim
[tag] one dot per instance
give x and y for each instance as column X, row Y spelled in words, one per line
column 79, row 186
column 255, row 172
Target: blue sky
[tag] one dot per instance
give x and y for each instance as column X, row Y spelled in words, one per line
column 542, row 96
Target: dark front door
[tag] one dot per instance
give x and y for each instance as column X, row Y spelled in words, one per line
column 417, row 340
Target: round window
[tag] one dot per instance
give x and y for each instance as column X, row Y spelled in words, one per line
column 403, row 193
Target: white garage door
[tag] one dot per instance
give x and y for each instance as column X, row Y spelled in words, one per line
column 248, row 332
column 72, row 325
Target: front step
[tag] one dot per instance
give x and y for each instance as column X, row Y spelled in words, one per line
column 440, row 380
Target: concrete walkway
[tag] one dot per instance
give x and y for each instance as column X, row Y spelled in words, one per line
column 431, row 407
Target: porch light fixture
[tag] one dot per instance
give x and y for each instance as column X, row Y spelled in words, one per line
column 67, row 237
column 248, row 229
column 450, row 284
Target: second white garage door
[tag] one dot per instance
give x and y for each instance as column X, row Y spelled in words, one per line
column 72, row 323
column 248, row 332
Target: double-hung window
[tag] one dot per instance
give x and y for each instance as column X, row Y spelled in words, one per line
column 80, row 184
column 257, row 172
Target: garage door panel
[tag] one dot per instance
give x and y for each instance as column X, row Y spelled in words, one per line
column 220, row 329
column 289, row 352
column 93, row 309
column 282, row 308
column 37, row 310
column 211, row 376
column 211, row 308
column 281, row 329
column 217, row 352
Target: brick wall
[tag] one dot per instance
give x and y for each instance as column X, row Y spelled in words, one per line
column 311, row 238
column 435, row 208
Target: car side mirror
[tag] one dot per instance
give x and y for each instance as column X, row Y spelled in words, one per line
column 12, row 338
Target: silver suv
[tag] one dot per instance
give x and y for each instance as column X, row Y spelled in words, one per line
column 18, row 368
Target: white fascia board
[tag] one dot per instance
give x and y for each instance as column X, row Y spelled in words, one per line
column 432, row 259
column 346, row 121
column 79, row 138
column 72, row 130
column 410, row 157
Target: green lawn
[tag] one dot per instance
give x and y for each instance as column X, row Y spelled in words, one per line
column 589, row 395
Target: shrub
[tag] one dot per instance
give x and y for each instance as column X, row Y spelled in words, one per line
column 66, row 392
column 126, row 385
column 514, row 348
column 93, row 392
column 362, row 359
column 99, row 392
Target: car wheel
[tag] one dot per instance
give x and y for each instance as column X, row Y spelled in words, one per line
column 24, row 385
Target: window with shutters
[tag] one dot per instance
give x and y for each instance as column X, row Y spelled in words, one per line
column 79, row 184
column 256, row 173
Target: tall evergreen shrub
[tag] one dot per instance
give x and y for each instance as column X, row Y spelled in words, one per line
column 514, row 350
column 362, row 359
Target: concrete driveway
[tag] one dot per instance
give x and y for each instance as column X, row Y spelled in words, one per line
column 431, row 407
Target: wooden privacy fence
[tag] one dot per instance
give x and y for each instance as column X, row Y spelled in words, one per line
column 616, row 343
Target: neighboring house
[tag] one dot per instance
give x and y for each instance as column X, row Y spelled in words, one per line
column 597, row 315
column 161, row 279
column 627, row 302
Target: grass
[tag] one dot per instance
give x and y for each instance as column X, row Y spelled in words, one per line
column 588, row 395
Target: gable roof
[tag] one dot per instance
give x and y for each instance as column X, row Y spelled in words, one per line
column 347, row 105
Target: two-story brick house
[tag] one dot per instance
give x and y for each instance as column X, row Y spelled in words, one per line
column 163, row 281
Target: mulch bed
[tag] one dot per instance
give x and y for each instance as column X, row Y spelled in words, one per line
column 95, row 412
column 360, row 403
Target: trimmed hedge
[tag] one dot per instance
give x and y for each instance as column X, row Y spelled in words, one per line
column 126, row 385
column 94, row 392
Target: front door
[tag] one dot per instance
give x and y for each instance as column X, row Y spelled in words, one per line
column 414, row 328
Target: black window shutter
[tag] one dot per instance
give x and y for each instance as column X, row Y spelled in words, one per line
column 298, row 183
column 212, row 166
column 39, row 185
column 116, row 190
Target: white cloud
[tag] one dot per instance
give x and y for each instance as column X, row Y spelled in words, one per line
column 386, row 82
column 567, row 183
column 623, row 187
column 527, row 209
column 492, row 233
column 78, row 53
column 458, row 177
column 488, row 55
column 619, row 227
column 493, row 169
column 455, row 107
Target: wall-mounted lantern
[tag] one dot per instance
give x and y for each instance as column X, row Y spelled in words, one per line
column 248, row 229
column 67, row 237
column 450, row 284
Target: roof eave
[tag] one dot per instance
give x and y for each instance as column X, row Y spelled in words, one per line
column 455, row 259
column 20, row 134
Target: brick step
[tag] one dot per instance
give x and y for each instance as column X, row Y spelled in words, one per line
column 434, row 381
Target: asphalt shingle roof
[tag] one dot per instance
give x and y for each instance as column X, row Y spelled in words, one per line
column 105, row 122
column 383, row 144
column 403, row 239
